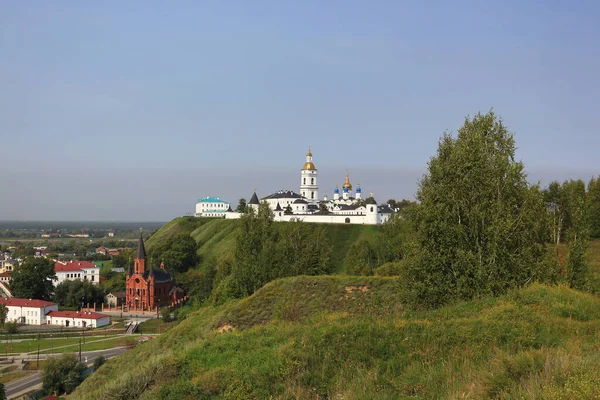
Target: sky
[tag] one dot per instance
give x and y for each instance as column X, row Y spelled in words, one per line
column 130, row 111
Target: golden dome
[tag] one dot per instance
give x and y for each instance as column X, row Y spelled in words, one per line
column 347, row 184
column 309, row 166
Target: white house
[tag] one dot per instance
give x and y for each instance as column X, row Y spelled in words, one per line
column 71, row 270
column 83, row 319
column 26, row 311
column 212, row 207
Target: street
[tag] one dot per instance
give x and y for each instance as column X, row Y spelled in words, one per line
column 34, row 380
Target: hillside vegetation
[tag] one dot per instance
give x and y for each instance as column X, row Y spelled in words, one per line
column 349, row 337
column 216, row 237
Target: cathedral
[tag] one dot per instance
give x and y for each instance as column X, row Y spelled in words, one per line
column 149, row 288
column 345, row 207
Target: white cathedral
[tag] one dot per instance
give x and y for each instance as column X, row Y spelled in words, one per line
column 287, row 205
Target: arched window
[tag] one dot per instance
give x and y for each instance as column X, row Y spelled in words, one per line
column 347, row 220
column 312, row 181
column 312, row 195
column 371, row 208
column 304, row 182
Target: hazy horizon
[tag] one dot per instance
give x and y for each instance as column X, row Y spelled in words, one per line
column 132, row 111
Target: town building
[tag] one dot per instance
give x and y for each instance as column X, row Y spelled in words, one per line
column 346, row 207
column 71, row 270
column 7, row 264
column 83, row 319
column 212, row 207
column 149, row 288
column 27, row 311
column 115, row 299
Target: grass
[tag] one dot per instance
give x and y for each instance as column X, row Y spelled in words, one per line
column 12, row 377
column 349, row 337
column 216, row 237
column 96, row 345
column 155, row 326
column 8, row 369
column 33, row 365
column 27, row 346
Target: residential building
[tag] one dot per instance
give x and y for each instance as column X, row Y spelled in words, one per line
column 83, row 319
column 115, row 299
column 27, row 311
column 71, row 270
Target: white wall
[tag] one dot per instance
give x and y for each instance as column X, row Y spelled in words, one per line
column 78, row 322
column 90, row 274
column 29, row 315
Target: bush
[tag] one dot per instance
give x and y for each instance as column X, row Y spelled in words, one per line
column 98, row 362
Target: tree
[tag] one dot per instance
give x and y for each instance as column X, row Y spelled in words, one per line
column 3, row 313
column 62, row 374
column 241, row 207
column 33, row 279
column 178, row 253
column 593, row 195
column 480, row 227
column 577, row 235
column 2, row 392
column 123, row 259
column 99, row 361
column 74, row 292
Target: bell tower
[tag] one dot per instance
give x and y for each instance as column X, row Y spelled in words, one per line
column 308, row 180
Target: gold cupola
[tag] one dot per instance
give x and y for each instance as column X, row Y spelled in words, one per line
column 347, row 184
column 308, row 165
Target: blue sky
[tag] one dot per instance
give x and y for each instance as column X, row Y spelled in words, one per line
column 133, row 110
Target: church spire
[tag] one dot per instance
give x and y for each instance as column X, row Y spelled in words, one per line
column 141, row 250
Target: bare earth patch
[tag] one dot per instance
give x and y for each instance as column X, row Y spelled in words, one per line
column 225, row 328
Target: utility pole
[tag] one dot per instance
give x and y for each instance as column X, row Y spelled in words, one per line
column 79, row 350
column 38, row 358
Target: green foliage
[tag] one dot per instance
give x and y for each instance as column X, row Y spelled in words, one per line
column 98, row 362
column 594, row 206
column 62, row 374
column 32, row 279
column 578, row 238
column 2, row 392
column 177, row 252
column 123, row 259
column 73, row 293
column 349, row 337
column 165, row 314
column 241, row 207
column 3, row 313
column 480, row 226
column 11, row 327
column 266, row 251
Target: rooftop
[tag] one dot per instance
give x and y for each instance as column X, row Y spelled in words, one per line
column 18, row 302
column 211, row 200
column 76, row 314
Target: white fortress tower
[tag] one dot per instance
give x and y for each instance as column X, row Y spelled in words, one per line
column 308, row 180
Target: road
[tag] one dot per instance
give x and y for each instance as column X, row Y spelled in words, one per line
column 35, row 379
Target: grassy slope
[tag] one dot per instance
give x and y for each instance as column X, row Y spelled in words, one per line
column 348, row 337
column 176, row 226
column 217, row 236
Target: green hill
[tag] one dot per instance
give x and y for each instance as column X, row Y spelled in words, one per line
column 349, row 338
column 216, row 236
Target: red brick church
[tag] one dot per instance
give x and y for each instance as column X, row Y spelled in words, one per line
column 149, row 288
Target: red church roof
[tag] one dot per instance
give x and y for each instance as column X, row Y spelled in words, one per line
column 5, row 274
column 76, row 314
column 16, row 302
column 73, row 265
